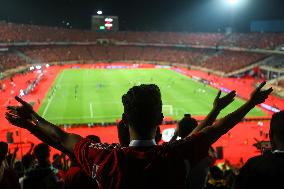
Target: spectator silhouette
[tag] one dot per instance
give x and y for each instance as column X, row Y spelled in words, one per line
column 266, row 170
column 196, row 175
column 8, row 178
column 28, row 162
column 28, row 159
column 143, row 164
column 216, row 179
column 186, row 125
column 43, row 175
column 95, row 138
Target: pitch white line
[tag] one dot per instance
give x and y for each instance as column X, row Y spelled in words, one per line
column 47, row 106
column 50, row 100
column 91, row 110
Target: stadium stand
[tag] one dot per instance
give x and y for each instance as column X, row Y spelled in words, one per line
column 253, row 40
column 25, row 33
column 228, row 61
column 223, row 61
column 9, row 60
column 76, row 45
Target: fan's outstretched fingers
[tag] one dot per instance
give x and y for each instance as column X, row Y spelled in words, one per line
column 24, row 103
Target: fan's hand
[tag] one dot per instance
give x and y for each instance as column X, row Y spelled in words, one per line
column 22, row 116
column 258, row 96
column 221, row 103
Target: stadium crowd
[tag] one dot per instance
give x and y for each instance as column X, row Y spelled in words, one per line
column 10, row 61
column 214, row 58
column 25, row 33
column 223, row 61
column 229, row 61
column 141, row 160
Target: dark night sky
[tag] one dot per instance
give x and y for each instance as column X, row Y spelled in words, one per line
column 152, row 15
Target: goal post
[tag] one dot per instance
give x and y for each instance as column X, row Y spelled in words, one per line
column 167, row 110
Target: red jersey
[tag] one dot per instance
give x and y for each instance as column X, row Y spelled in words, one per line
column 77, row 178
column 160, row 166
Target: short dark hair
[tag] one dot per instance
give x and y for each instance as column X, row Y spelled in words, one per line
column 143, row 107
column 42, row 152
column 3, row 150
column 27, row 160
column 95, row 138
column 123, row 133
column 158, row 136
column 186, row 125
column 277, row 125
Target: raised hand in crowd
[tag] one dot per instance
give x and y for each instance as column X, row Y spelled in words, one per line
column 25, row 117
column 218, row 105
column 223, row 102
column 258, row 96
column 225, row 124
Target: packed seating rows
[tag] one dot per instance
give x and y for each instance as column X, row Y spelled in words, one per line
column 11, row 32
column 9, row 60
column 223, row 61
column 228, row 61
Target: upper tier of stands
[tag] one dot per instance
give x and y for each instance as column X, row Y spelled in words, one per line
column 30, row 33
column 135, row 47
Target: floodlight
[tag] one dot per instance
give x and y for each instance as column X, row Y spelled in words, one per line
column 233, row 2
column 99, row 12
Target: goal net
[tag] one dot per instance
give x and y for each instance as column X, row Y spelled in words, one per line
column 168, row 110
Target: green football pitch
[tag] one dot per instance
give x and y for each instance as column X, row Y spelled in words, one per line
column 94, row 95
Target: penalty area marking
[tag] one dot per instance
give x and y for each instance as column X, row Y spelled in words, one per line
column 91, row 110
column 50, row 100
